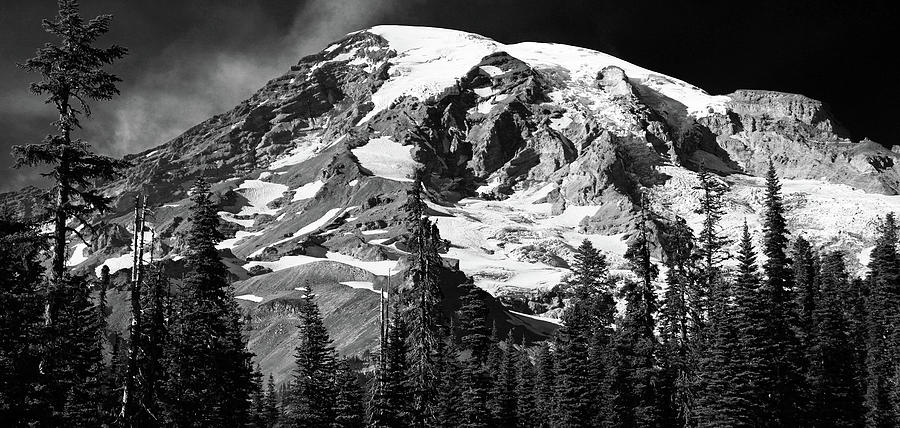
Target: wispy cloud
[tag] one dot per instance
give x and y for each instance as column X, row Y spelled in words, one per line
column 190, row 82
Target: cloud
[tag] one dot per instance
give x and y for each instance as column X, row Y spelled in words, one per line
column 190, row 82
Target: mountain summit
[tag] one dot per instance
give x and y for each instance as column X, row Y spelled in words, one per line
column 525, row 150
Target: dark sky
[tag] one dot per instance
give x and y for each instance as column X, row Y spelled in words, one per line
column 191, row 59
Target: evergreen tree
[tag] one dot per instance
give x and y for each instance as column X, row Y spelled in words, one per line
column 21, row 323
column 426, row 321
column 717, row 404
column 833, row 369
column 71, row 75
column 155, row 340
column 348, row 407
column 583, row 339
column 681, row 325
column 473, row 322
column 782, row 372
column 545, row 369
column 475, row 395
column 314, row 390
column 504, row 385
column 257, row 402
column 271, row 409
column 711, row 241
column 749, row 390
column 882, row 320
column 391, row 399
column 574, row 399
column 806, row 294
column 76, row 372
column 209, row 374
column 449, row 400
column 634, row 369
column 526, row 396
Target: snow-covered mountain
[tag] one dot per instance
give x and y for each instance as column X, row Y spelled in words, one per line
column 528, row 149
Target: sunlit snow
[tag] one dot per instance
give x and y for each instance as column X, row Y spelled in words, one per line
column 387, row 158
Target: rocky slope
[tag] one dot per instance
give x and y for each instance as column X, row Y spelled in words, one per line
column 528, row 149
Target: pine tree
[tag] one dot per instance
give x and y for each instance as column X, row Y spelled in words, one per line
column 156, row 338
column 449, row 409
column 526, row 397
column 711, row 241
column 881, row 336
column 77, row 372
column 545, row 386
column 209, row 379
column 635, row 365
column 257, row 401
column 475, row 395
column 426, row 321
column 583, row 339
column 833, row 369
column 782, row 373
column 806, row 294
column 21, row 323
column 71, row 75
column 749, row 383
column 681, row 327
column 391, row 401
column 717, row 404
column 271, row 410
column 574, row 399
column 473, row 322
column 313, row 390
column 504, row 385
column 348, row 407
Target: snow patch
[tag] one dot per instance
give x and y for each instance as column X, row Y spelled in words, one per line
column 387, row 158
column 78, row 256
column 250, row 297
column 365, row 285
column 307, row 190
column 260, row 194
column 377, row 268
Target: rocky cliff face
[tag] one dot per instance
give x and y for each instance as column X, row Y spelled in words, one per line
column 527, row 149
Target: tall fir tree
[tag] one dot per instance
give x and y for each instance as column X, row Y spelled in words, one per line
column 313, row 389
column 72, row 75
column 155, row 330
column 473, row 321
column 833, row 371
column 450, row 390
column 634, row 366
column 784, row 360
column 348, row 408
column 76, row 372
column 427, row 325
column 717, row 404
column 750, row 388
column 209, row 371
column 545, row 385
column 881, row 324
column 583, row 339
column 526, row 397
column 504, row 384
column 391, row 401
column 805, row 264
column 21, row 323
column 681, row 326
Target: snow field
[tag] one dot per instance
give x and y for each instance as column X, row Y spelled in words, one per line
column 377, row 267
column 387, row 158
column 260, row 194
column 307, row 191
